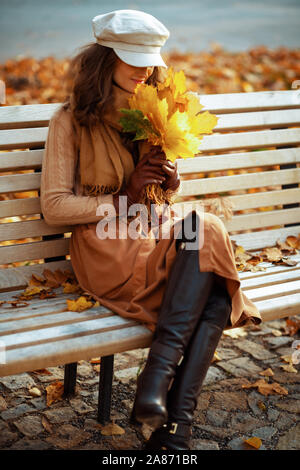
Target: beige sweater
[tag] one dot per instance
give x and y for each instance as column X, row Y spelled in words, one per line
column 63, row 201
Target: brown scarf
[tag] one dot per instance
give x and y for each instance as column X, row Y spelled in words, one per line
column 105, row 162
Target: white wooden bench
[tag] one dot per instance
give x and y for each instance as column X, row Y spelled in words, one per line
column 257, row 138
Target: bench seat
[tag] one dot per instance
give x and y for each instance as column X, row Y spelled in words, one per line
column 45, row 333
column 251, row 162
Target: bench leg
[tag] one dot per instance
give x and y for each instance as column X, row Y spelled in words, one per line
column 70, row 379
column 105, row 387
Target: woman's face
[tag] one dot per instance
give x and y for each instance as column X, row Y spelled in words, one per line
column 127, row 76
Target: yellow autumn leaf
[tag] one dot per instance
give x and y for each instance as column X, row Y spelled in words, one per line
column 174, row 114
column 69, row 288
column 289, row 368
column 253, row 442
column 267, row 373
column 216, row 357
column 79, row 304
column 112, row 429
column 54, row 392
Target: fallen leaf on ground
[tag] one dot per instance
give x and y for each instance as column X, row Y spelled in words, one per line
column 287, row 358
column 95, row 360
column 276, row 333
column 216, row 357
column 289, row 368
column 41, row 372
column 268, row 372
column 235, row 332
column 261, row 405
column 112, row 429
column 35, row 392
column 54, row 392
column 266, row 388
column 253, row 442
column 46, row 425
column 292, row 326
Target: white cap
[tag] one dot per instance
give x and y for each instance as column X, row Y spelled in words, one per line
column 135, row 36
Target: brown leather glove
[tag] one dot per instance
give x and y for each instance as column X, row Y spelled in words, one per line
column 172, row 178
column 144, row 173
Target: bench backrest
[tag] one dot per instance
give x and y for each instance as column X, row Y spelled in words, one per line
column 252, row 158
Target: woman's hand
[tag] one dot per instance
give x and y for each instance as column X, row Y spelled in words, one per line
column 158, row 158
column 143, row 174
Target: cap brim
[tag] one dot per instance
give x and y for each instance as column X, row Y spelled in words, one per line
column 138, row 59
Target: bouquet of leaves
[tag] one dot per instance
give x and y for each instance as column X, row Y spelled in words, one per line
column 167, row 116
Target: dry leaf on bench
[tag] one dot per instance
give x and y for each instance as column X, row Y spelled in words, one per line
column 79, row 304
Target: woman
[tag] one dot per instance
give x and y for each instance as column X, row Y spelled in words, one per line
column 185, row 296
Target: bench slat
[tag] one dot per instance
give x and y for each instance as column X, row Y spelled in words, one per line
column 36, row 137
column 271, row 269
column 40, row 114
column 281, row 307
column 271, row 279
column 265, row 199
column 31, row 181
column 15, row 278
column 235, row 161
column 258, row 120
column 74, row 349
column 264, row 238
column 62, row 332
column 55, row 319
column 37, row 228
column 252, row 101
column 34, row 250
column 29, row 115
column 24, row 206
column 31, row 159
column 263, row 219
column 21, row 160
column 23, row 138
column 34, row 310
column 20, row 183
column 268, row 292
column 193, row 187
column 29, row 206
column 251, row 140
column 250, row 201
column 30, row 229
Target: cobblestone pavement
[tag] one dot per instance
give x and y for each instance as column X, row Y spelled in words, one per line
column 227, row 413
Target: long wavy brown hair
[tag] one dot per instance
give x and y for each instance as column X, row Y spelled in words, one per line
column 91, row 76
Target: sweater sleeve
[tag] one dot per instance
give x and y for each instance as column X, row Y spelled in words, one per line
column 59, row 203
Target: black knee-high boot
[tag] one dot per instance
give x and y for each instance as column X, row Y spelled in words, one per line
column 185, row 297
column 182, row 397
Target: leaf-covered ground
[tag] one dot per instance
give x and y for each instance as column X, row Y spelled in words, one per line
column 29, row 80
